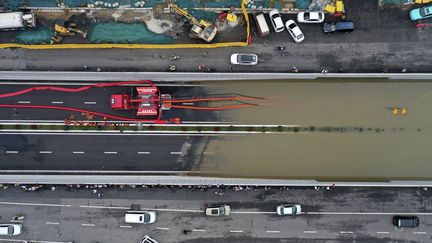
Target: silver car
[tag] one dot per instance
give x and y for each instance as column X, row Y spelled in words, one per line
column 10, row 229
column 222, row 210
column 294, row 31
column 244, row 59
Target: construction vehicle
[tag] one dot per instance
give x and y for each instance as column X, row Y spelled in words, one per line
column 17, row 20
column 149, row 102
column 65, row 28
column 201, row 29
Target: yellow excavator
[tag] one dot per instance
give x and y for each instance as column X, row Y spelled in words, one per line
column 201, row 29
column 65, row 28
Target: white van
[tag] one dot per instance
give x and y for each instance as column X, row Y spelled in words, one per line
column 143, row 217
column 261, row 23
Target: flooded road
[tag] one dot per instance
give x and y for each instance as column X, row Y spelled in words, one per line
column 383, row 146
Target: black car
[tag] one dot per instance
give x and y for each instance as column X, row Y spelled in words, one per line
column 406, row 221
column 343, row 26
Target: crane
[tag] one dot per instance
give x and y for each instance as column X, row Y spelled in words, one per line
column 202, row 29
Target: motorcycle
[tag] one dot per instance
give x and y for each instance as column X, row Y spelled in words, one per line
column 18, row 217
column 204, row 68
column 174, row 57
column 171, row 68
column 280, row 48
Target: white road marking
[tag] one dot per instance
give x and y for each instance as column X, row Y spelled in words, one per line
column 90, row 102
column 110, row 152
column 104, row 207
column 88, row 225
column 16, row 221
column 24, row 102
column 38, row 241
column 78, row 152
column 126, row 226
column 251, row 212
column 236, row 231
column 143, row 152
column 187, row 103
column 383, row 232
column 175, row 152
column 419, row 233
column 55, row 223
column 346, row 232
column 12, row 152
column 161, row 228
column 36, row 204
column 273, row 231
column 367, row 213
column 152, row 209
column 45, row 152
column 56, row 102
column 309, row 232
column 199, row 230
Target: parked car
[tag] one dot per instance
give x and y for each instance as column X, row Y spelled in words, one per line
column 406, row 221
column 343, row 26
column 288, row 209
column 421, row 13
column 244, row 59
column 144, row 217
column 221, row 210
column 261, row 23
column 294, row 31
column 310, row 17
column 276, row 20
column 148, row 239
column 10, row 229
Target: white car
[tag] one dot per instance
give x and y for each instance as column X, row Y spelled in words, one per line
column 294, row 31
column 143, row 217
column 244, row 59
column 310, row 17
column 10, row 229
column 288, row 209
column 276, row 20
column 222, row 210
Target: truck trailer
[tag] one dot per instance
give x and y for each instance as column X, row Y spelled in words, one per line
column 17, row 20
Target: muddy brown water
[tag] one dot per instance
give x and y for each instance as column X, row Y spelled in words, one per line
column 383, row 145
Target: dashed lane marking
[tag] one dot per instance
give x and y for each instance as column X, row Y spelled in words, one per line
column 104, row 207
column 12, row 152
column 236, row 231
column 54, row 223
column 24, row 102
column 419, row 233
column 383, row 232
column 45, row 152
column 143, row 152
column 90, row 102
column 198, row 230
column 175, row 152
column 88, row 225
column 162, row 228
column 36, row 204
column 110, row 152
column 126, row 226
column 56, row 102
column 187, row 103
column 309, row 232
column 16, row 221
column 273, row 231
column 346, row 232
column 78, row 152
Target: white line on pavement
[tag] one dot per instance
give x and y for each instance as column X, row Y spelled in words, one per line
column 250, row 212
column 367, row 213
column 273, row 231
column 110, row 152
column 198, row 230
column 175, row 152
column 11, row 152
column 236, row 231
column 56, row 102
column 309, row 232
column 38, row 241
column 383, row 232
column 126, row 226
column 89, row 225
column 104, row 207
column 55, row 223
column 16, row 221
column 45, row 152
column 346, row 232
column 187, row 103
column 90, row 102
column 36, row 204
column 161, row 228
column 24, row 102
column 143, row 152
column 78, row 152
column 419, row 233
